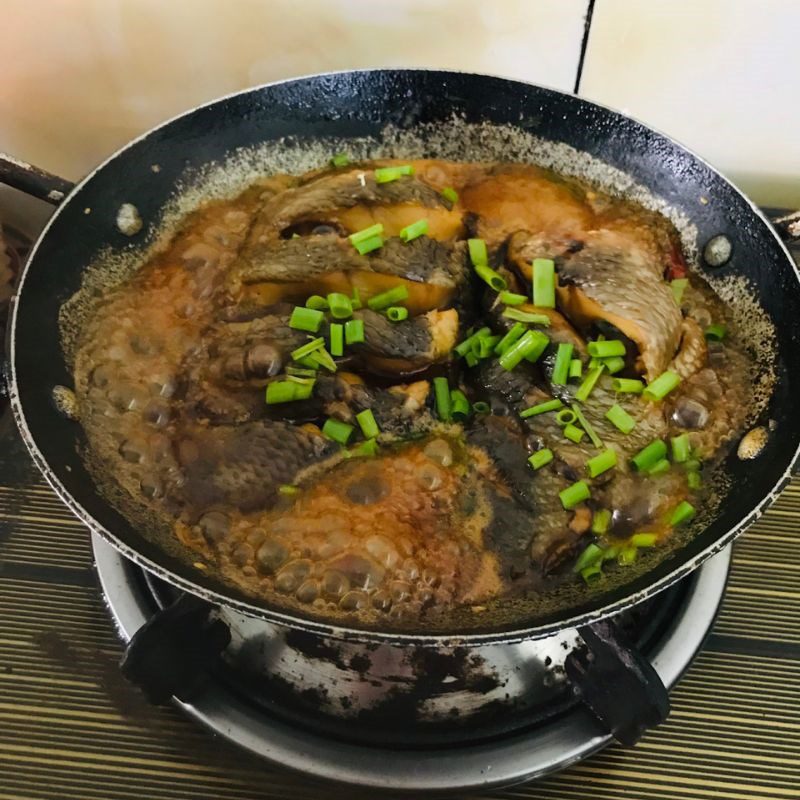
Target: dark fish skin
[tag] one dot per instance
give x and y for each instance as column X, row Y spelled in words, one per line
column 489, row 378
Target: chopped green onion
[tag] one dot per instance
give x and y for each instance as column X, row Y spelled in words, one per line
column 585, row 389
column 627, row 555
column 661, row 386
column 566, row 417
column 340, row 305
column 366, row 449
column 389, row 174
column 471, row 359
column 544, row 282
column 659, row 468
column 366, row 421
column 478, row 254
column 307, row 349
column 414, row 230
column 592, row 574
column 540, row 458
column 466, row 346
column 355, row 300
column 649, row 456
column 572, row 495
column 281, row 392
column 481, row 408
column 516, row 331
column 301, row 380
column 323, row 358
column 678, row 286
column 591, row 554
column 368, row 245
column 693, row 480
column 542, row 408
column 365, row 234
column 643, row 540
column 300, row 373
column 573, row 433
column 459, row 405
column 614, row 364
column 561, row 366
column 527, row 343
column 511, row 299
column 680, row 448
column 717, row 331
column 450, row 194
column 397, row 313
column 606, row 349
column 526, row 316
column 610, row 553
column 535, row 353
column 337, row 430
column 575, row 368
column 441, row 390
column 307, row 362
column 601, row 463
column 627, row 385
column 316, row 302
column 692, row 465
column 306, row 319
column 354, row 331
column 601, row 521
column 288, row 490
column 684, row 512
column 340, row 160
column 484, row 347
column 620, row 419
column 388, row 298
column 590, row 432
column 491, row 277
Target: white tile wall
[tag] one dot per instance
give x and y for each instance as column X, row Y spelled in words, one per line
column 722, row 76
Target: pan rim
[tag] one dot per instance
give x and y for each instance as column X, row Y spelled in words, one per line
column 509, row 633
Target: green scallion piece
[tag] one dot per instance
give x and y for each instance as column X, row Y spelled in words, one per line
column 485, row 346
column 511, row 299
column 601, row 463
column 459, row 405
column 620, row 419
column 540, row 458
column 397, row 313
column 627, row 556
column 340, row 305
column 287, row 490
column 678, row 286
column 561, row 366
column 573, row 433
column 481, row 407
column 575, row 494
column 692, row 465
column 591, row 554
column 388, row 298
column 354, row 331
column 643, row 540
column 471, row 359
column 308, row 348
column 661, row 386
column 493, row 278
column 606, row 349
column 441, row 391
column 389, row 174
column 366, row 233
column 524, row 345
column 694, row 481
column 301, row 380
column 542, row 408
column 684, row 512
column 323, row 358
column 366, row 421
column 610, row 553
column 366, row 449
column 355, row 300
column 601, row 521
column 627, row 385
column 306, row 362
column 649, row 456
column 478, row 254
column 466, row 346
column 450, row 194
column 281, row 392
column 575, row 368
column 565, row 417
column 337, row 430
column 317, row 302
column 544, row 282
column 717, row 332
column 337, row 339
column 680, row 447
column 295, row 236
column 368, row 245
column 614, row 364
column 535, row 353
column 306, row 319
column 590, row 431
column 592, row 574
column 340, row 160
column 516, row 331
column 659, row 468
column 589, row 382
column 414, row 230
column 298, row 372
column 526, row 316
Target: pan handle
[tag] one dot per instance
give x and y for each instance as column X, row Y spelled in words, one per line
column 33, row 181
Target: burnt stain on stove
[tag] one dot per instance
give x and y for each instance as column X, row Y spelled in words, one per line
column 315, row 647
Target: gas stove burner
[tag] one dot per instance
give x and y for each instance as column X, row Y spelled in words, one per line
column 335, row 710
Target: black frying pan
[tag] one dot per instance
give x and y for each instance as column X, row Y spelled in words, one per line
column 353, row 104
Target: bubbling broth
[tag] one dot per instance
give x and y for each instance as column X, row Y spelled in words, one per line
column 389, row 391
